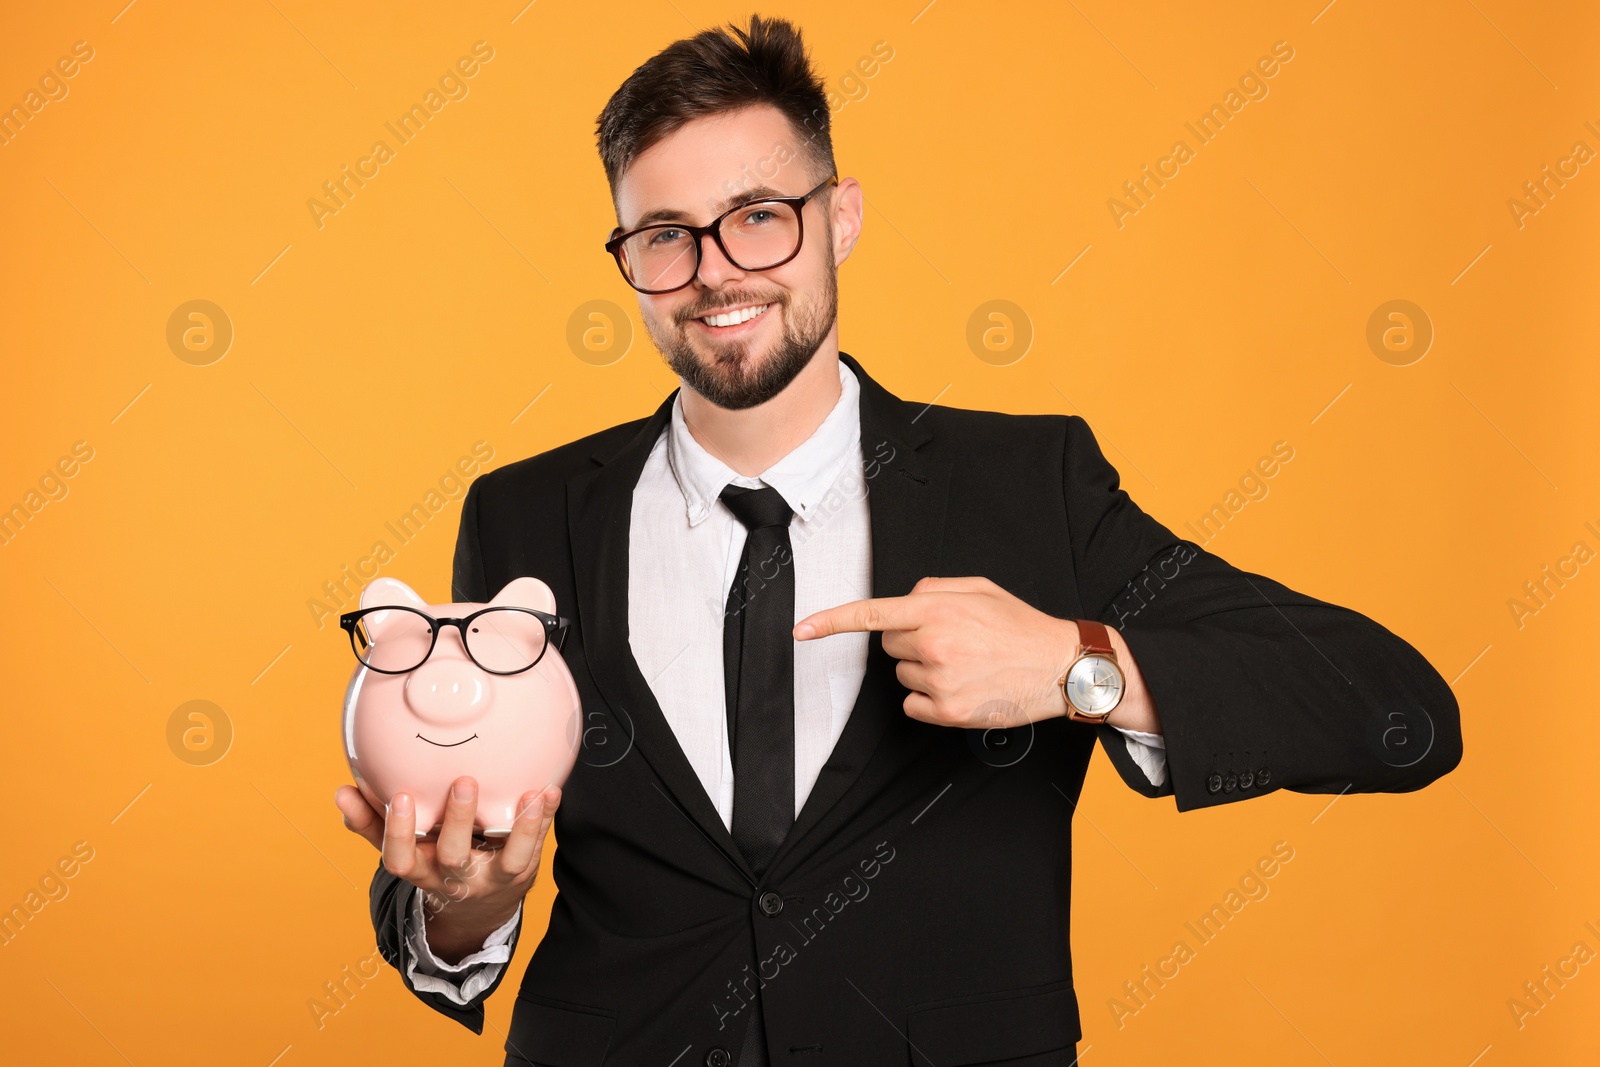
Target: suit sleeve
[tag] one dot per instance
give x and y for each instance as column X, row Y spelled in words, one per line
column 1258, row 687
column 390, row 897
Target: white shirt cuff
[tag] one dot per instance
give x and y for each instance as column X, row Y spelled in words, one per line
column 1149, row 751
column 458, row 982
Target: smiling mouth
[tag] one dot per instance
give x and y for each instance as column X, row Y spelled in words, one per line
column 724, row 320
column 451, row 745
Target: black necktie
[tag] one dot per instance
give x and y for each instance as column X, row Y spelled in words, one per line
column 758, row 672
column 758, row 651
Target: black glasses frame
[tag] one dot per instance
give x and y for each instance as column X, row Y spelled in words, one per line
column 555, row 632
column 714, row 230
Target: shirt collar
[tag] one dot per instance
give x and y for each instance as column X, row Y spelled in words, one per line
column 802, row 477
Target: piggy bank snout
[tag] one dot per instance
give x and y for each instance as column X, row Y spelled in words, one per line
column 448, row 691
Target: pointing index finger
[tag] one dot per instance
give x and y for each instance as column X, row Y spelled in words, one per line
column 878, row 613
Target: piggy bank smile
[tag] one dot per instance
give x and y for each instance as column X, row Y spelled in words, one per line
column 447, row 744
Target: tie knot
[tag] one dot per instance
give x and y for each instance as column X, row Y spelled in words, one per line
column 757, row 508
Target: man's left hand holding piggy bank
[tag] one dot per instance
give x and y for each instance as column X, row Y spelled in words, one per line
column 480, row 887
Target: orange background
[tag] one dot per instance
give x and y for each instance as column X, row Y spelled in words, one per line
column 432, row 311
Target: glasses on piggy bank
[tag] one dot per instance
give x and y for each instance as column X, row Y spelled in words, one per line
column 501, row 640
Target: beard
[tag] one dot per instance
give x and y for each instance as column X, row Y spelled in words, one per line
column 733, row 376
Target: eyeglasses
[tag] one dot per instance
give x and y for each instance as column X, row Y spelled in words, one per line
column 665, row 257
column 501, row 640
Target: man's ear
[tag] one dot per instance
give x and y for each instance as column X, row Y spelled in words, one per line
column 845, row 213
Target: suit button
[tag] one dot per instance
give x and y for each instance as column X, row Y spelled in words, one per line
column 770, row 903
column 1263, row 776
column 1246, row 780
column 1214, row 784
column 718, row 1057
column 1228, row 783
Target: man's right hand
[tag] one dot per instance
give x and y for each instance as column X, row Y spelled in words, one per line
column 479, row 888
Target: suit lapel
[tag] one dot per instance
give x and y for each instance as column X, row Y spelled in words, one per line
column 599, row 515
column 906, row 494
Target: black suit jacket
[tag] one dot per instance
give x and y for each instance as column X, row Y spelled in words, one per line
column 918, row 910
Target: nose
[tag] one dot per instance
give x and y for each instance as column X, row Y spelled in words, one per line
column 715, row 268
column 448, row 690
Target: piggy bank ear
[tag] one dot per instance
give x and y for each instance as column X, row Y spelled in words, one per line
column 393, row 592
column 389, row 592
column 526, row 592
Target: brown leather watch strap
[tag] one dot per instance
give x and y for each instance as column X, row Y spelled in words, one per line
column 1094, row 637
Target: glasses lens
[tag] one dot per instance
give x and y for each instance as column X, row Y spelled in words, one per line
column 392, row 639
column 506, row 639
column 659, row 258
column 757, row 236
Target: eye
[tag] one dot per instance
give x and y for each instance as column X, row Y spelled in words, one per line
column 759, row 216
column 666, row 237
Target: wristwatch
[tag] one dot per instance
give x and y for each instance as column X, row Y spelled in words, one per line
column 1093, row 682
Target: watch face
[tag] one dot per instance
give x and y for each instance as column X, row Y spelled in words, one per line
column 1094, row 685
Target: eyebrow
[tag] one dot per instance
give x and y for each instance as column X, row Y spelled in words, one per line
column 667, row 214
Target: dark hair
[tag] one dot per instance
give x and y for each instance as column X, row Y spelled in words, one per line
column 711, row 73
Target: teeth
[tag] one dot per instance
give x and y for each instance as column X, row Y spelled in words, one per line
column 733, row 318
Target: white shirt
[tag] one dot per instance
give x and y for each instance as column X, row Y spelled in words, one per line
column 683, row 553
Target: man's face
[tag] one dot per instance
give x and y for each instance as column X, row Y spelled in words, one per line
column 699, row 171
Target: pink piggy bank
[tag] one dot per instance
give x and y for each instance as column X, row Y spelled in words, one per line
column 444, row 690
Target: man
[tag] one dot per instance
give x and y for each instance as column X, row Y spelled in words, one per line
column 823, row 810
